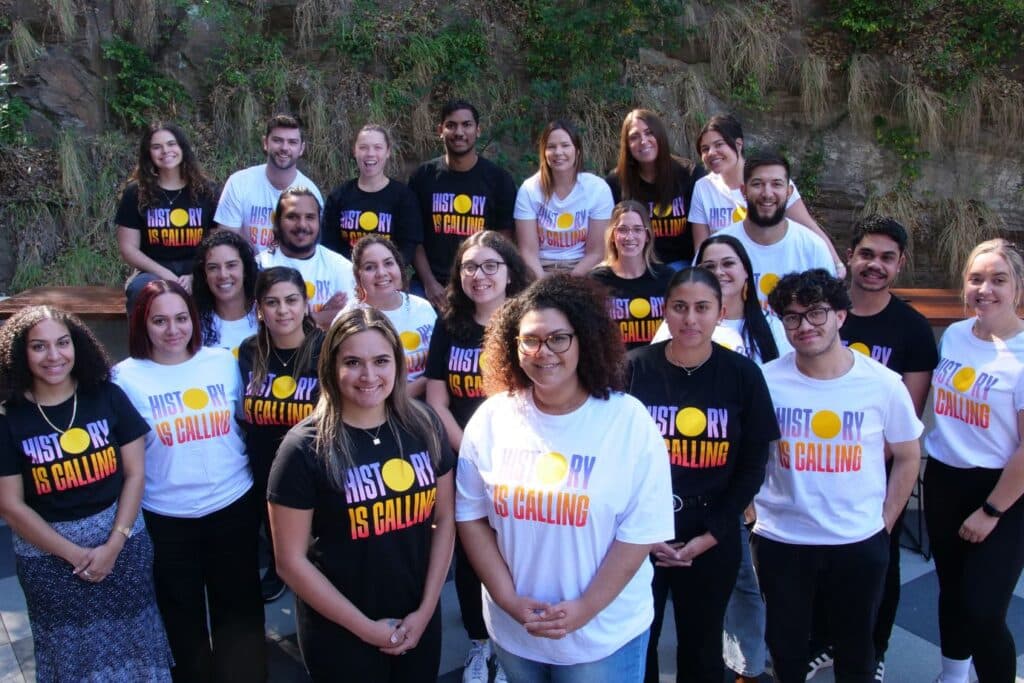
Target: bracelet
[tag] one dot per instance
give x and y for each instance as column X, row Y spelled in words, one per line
column 125, row 530
column 991, row 510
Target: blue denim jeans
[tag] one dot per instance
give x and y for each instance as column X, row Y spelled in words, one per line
column 743, row 646
column 625, row 665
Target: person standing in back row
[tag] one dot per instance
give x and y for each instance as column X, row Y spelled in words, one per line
column 459, row 193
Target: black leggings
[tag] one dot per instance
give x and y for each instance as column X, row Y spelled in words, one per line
column 976, row 580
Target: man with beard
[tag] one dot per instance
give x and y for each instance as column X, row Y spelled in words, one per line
column 460, row 193
column 894, row 334
column 328, row 275
column 775, row 244
column 247, row 202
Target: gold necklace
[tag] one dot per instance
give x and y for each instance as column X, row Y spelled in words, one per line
column 283, row 362
column 74, row 412
column 689, row 371
column 375, row 437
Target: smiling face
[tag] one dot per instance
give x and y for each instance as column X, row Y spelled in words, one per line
column 164, row 150
column 549, row 371
column 371, row 153
column 721, row 260
column 643, row 146
column 379, row 275
column 875, row 262
column 560, row 152
column 810, row 340
column 767, row 192
column 283, row 146
column 990, row 288
column 225, row 274
column 298, row 225
column 692, row 310
column 480, row 287
column 716, row 154
column 459, row 132
column 50, row 353
column 169, row 327
column 366, row 368
column 629, row 234
column 282, row 309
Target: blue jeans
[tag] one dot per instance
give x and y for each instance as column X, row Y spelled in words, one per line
column 743, row 645
column 625, row 665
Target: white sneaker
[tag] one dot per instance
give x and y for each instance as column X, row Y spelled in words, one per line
column 499, row 673
column 476, row 662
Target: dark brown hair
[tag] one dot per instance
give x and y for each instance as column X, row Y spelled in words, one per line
column 139, row 344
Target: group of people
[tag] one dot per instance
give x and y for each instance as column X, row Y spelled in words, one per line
column 595, row 393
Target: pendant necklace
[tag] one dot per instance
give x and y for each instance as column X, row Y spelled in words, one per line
column 74, row 412
column 374, row 437
column 170, row 202
column 283, row 362
column 689, row 371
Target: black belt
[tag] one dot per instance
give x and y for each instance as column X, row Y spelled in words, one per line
column 690, row 502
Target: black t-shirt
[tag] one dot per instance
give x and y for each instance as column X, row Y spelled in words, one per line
column 898, row 337
column 673, row 240
column 284, row 400
column 78, row 473
column 351, row 214
column 457, row 363
column 457, row 204
column 371, row 540
column 637, row 305
column 717, row 425
column 168, row 230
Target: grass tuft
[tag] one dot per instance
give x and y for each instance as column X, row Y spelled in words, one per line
column 815, row 87
column 963, row 223
column 866, row 86
column 72, row 169
column 754, row 50
column 923, row 108
column 24, row 47
column 64, row 14
column 311, row 16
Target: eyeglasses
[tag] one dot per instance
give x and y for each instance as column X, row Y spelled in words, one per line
column 815, row 316
column 559, row 342
column 626, row 231
column 489, row 267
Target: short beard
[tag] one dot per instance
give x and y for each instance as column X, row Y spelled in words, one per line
column 771, row 221
column 291, row 251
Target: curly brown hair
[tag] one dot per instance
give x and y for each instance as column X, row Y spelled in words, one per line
column 582, row 301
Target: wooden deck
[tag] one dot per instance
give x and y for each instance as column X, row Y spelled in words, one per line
column 88, row 303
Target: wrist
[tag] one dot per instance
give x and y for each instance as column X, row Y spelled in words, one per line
column 991, row 510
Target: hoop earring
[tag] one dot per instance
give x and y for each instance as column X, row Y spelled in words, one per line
column 745, row 286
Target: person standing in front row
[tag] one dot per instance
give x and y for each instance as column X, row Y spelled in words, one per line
column 825, row 510
column 459, row 193
column 975, row 473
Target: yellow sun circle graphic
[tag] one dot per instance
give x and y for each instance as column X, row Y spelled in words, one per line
column 368, row 220
column 860, row 347
column 639, row 308
column 196, row 399
column 768, row 282
column 564, row 221
column 691, row 421
column 825, row 424
column 410, row 340
column 397, row 474
column 739, row 214
column 74, row 441
column 551, row 468
column 234, row 352
column 310, row 290
column 462, row 203
column 179, row 218
column 283, row 386
column 662, row 210
column 963, row 379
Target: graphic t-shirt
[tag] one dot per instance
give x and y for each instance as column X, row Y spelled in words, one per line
column 414, row 321
column 351, row 214
column 231, row 333
column 898, row 337
column 636, row 304
column 798, row 250
column 717, row 206
column 558, row 490
column 563, row 224
column 195, row 458
column 456, row 362
column 978, row 389
column 325, row 272
column 168, row 230
column 826, row 480
column 78, row 473
column 673, row 240
column 248, row 201
column 371, row 539
column 457, row 204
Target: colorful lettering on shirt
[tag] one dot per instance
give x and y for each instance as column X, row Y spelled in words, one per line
column 638, row 318
column 961, row 392
column 882, row 354
column 379, row 496
column 78, row 457
column 668, row 220
column 416, row 344
column 174, row 227
column 356, row 224
column 546, row 488
column 723, row 216
column 819, row 440
column 561, row 230
column 695, row 438
column 281, row 400
column 458, row 214
column 464, row 377
column 195, row 414
column 260, row 225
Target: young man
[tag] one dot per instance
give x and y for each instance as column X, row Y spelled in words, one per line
column 775, row 244
column 894, row 334
column 330, row 282
column 825, row 511
column 459, row 193
column 250, row 195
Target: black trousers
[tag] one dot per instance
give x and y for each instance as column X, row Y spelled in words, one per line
column 849, row 576
column 976, row 580
column 700, row 594
column 211, row 562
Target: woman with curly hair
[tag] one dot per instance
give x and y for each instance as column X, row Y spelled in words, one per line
column 563, row 489
column 487, row 270
column 166, row 208
column 71, row 478
column 224, row 289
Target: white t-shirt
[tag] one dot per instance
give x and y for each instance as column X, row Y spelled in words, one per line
column 558, row 490
column 326, row 272
column 825, row 483
column 798, row 250
column 978, row 390
column 248, row 201
column 414, row 320
column 195, row 456
column 562, row 224
column 717, row 206
column 728, row 333
column 233, row 332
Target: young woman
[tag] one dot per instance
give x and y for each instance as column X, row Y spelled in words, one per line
column 199, row 503
column 975, row 476
column 561, row 212
column 381, row 283
column 563, row 488
column 636, row 281
column 487, row 271
column 369, row 476
column 372, row 203
column 71, row 476
column 279, row 377
column 649, row 173
column 718, row 421
column 166, row 209
column 224, row 290
column 717, row 198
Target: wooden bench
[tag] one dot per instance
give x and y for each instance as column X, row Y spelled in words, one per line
column 88, row 303
column 942, row 307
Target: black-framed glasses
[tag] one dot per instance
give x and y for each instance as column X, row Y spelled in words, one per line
column 559, row 342
column 489, row 267
column 815, row 316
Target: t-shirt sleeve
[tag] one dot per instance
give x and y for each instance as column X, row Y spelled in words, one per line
column 698, row 214
column 470, row 492
column 924, row 355
column 447, row 461
column 602, row 200
column 794, row 197
column 128, row 215
column 10, row 464
column 613, row 184
column 437, row 354
column 292, row 483
column 506, row 198
column 229, row 211
column 1018, row 393
column 647, row 517
column 410, row 223
column 525, row 209
column 901, row 422
column 130, row 425
column 329, row 235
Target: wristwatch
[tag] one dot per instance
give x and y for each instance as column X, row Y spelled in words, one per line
column 991, row 510
column 126, row 530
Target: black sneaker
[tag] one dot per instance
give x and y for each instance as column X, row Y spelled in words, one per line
column 880, row 670
column 271, row 586
column 821, row 660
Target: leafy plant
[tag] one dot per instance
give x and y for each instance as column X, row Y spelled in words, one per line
column 141, row 92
